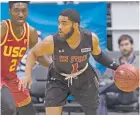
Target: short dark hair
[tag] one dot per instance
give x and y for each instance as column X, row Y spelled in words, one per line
column 125, row 37
column 12, row 2
column 72, row 15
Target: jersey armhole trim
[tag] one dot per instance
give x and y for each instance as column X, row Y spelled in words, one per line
column 6, row 35
column 12, row 32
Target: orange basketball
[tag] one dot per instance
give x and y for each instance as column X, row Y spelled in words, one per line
column 127, row 78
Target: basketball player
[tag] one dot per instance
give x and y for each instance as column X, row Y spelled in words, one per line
column 70, row 72
column 16, row 37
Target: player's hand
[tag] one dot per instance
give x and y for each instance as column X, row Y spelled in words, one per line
column 25, row 82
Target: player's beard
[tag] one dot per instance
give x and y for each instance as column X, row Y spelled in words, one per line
column 127, row 53
column 69, row 34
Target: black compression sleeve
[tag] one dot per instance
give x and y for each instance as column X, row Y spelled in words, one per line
column 106, row 61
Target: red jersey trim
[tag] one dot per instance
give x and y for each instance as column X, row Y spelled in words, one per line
column 24, row 102
column 5, row 38
column 17, row 39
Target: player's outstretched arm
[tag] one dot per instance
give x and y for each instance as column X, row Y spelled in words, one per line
column 44, row 47
column 43, row 60
column 99, row 56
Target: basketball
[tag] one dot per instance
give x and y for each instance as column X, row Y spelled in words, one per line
column 127, row 78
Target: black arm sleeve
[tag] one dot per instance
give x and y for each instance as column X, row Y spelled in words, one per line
column 106, row 61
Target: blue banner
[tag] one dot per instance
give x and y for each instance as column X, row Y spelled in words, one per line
column 44, row 17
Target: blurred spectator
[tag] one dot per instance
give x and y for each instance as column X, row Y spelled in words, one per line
column 109, row 93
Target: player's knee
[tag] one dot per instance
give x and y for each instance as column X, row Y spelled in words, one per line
column 54, row 110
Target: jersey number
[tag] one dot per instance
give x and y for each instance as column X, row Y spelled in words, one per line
column 75, row 68
column 13, row 65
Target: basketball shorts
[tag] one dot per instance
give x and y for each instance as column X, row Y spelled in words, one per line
column 21, row 98
column 85, row 89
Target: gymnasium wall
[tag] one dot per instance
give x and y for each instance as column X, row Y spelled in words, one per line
column 44, row 18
